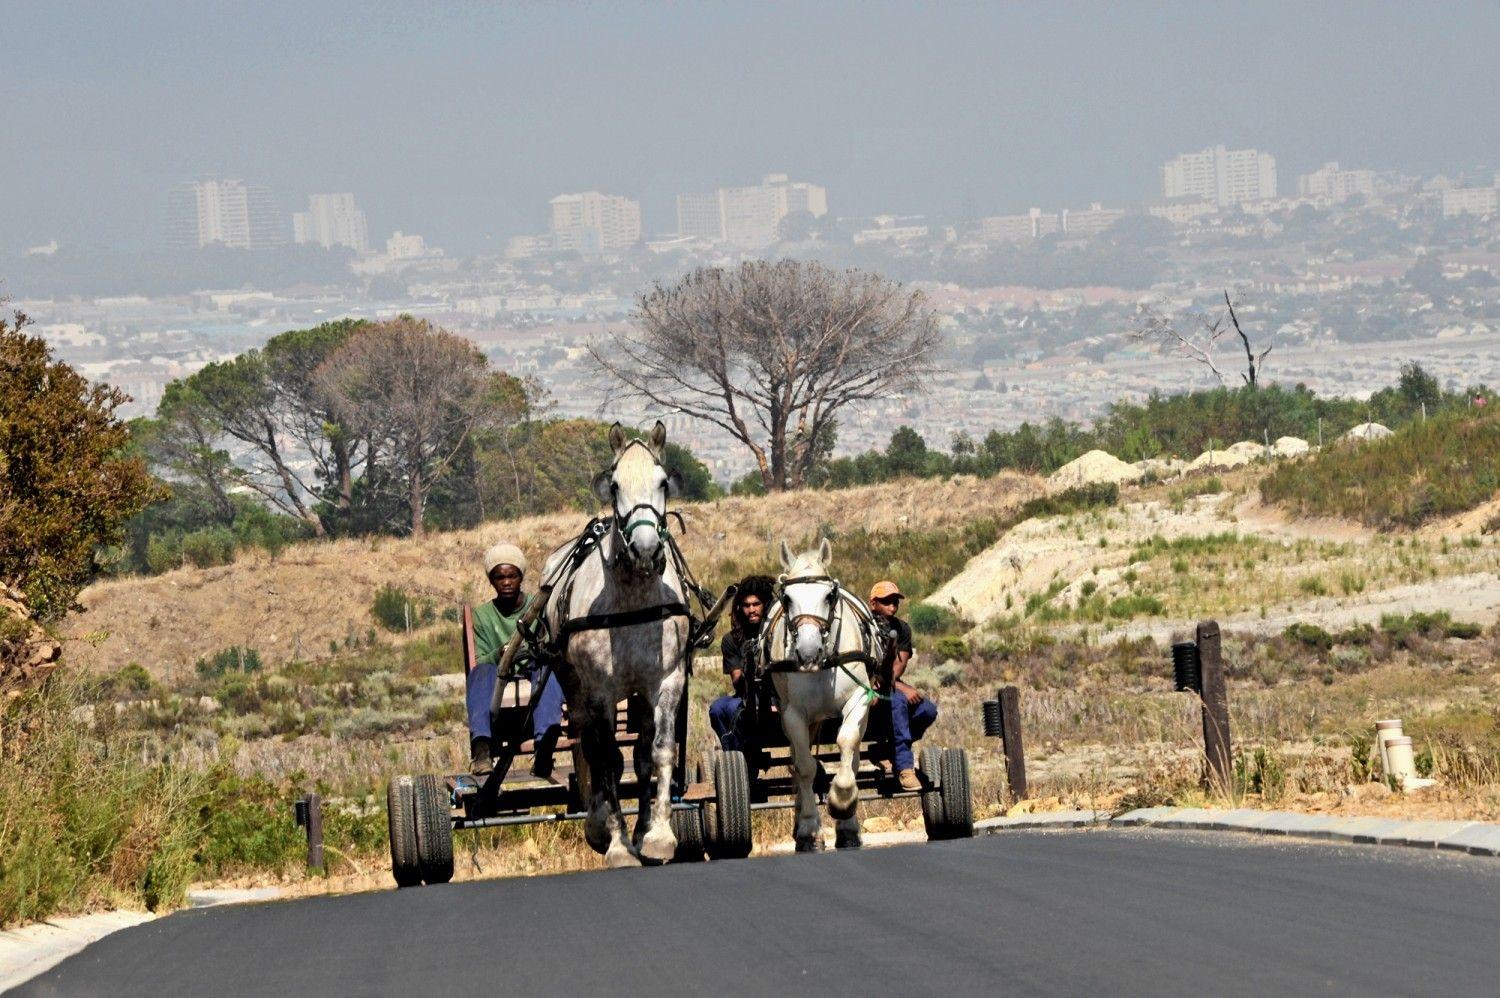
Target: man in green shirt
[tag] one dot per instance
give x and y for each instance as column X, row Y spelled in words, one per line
column 494, row 623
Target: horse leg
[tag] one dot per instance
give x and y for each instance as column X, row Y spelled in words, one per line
column 641, row 758
column 805, row 826
column 659, row 843
column 843, row 795
column 605, row 826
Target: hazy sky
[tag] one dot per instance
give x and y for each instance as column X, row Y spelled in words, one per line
column 461, row 123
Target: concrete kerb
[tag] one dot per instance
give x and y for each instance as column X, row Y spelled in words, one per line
column 1474, row 838
column 1042, row 821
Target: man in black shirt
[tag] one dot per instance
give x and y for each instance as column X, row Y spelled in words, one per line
column 908, row 714
column 740, row 648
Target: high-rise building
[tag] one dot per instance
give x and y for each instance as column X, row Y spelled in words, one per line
column 748, row 216
column 1223, row 176
column 1330, row 182
column 331, row 220
column 700, row 216
column 595, row 223
column 227, row 212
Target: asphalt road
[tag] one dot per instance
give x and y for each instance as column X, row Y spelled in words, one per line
column 1062, row 913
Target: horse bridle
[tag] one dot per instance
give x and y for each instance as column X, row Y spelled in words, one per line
column 793, row 622
column 658, row 519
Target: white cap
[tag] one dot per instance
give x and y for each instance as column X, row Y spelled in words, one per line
column 504, row 553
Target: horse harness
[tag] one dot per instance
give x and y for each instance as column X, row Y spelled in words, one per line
column 552, row 648
column 871, row 654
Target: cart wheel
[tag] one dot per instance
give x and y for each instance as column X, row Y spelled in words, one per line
column 958, row 806
column 732, row 813
column 434, row 831
column 709, row 812
column 932, row 798
column 401, row 823
column 688, row 827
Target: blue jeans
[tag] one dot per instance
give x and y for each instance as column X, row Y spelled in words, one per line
column 899, row 723
column 727, row 718
column 546, row 715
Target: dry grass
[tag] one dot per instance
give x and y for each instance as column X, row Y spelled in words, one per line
column 296, row 605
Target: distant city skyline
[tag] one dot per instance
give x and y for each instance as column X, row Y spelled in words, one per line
column 462, row 122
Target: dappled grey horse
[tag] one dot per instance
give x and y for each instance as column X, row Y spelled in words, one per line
column 622, row 621
column 821, row 644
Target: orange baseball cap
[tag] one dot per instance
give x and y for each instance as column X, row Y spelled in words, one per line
column 885, row 588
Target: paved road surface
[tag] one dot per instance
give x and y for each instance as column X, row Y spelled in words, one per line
column 1062, row 913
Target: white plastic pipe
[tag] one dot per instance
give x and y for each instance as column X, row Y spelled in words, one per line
column 1384, row 731
column 1403, row 764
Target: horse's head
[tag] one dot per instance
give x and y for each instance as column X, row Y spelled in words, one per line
column 636, row 488
column 809, row 598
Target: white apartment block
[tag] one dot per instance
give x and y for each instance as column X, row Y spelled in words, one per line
column 592, row 222
column 331, row 220
column 223, row 212
column 748, row 216
column 1091, row 222
column 1180, row 211
column 1470, row 201
column 1335, row 184
column 1019, row 228
column 1224, row 176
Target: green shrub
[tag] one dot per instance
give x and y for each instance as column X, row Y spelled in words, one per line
column 395, row 609
column 1310, row 635
column 928, row 619
column 233, row 659
column 164, row 553
column 129, row 682
column 950, row 647
column 207, row 548
column 1135, row 605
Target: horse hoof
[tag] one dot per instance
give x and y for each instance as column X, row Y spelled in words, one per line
column 659, row 845
column 809, row 845
column 620, row 858
column 848, row 842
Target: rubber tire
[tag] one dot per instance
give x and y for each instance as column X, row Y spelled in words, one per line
column 958, row 805
column 401, row 824
column 709, row 822
column 732, row 796
column 688, row 827
column 933, row 817
column 434, row 830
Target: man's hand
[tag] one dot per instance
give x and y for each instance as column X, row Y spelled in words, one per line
column 912, row 694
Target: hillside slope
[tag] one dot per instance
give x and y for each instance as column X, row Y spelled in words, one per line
column 295, row 605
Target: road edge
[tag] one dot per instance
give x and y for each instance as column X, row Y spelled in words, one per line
column 1475, row 838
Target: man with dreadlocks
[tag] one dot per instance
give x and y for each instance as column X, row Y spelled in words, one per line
column 740, row 649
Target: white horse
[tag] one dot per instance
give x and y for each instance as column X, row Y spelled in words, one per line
column 821, row 645
column 622, row 622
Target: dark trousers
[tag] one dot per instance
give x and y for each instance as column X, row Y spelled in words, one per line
column 898, row 723
column 727, row 718
column 546, row 715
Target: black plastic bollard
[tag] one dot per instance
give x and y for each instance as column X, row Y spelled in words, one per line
column 309, row 813
column 1187, row 668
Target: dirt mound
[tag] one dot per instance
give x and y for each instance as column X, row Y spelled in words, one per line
column 1290, row 446
column 1229, row 457
column 1094, row 467
column 1368, row 431
column 1162, row 467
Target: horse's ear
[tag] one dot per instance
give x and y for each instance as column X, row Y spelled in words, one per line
column 658, row 438
column 601, row 486
column 825, row 552
column 674, row 483
column 786, row 557
column 617, row 439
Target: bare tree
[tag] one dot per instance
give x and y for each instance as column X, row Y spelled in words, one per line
column 416, row 393
column 771, row 352
column 1197, row 335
